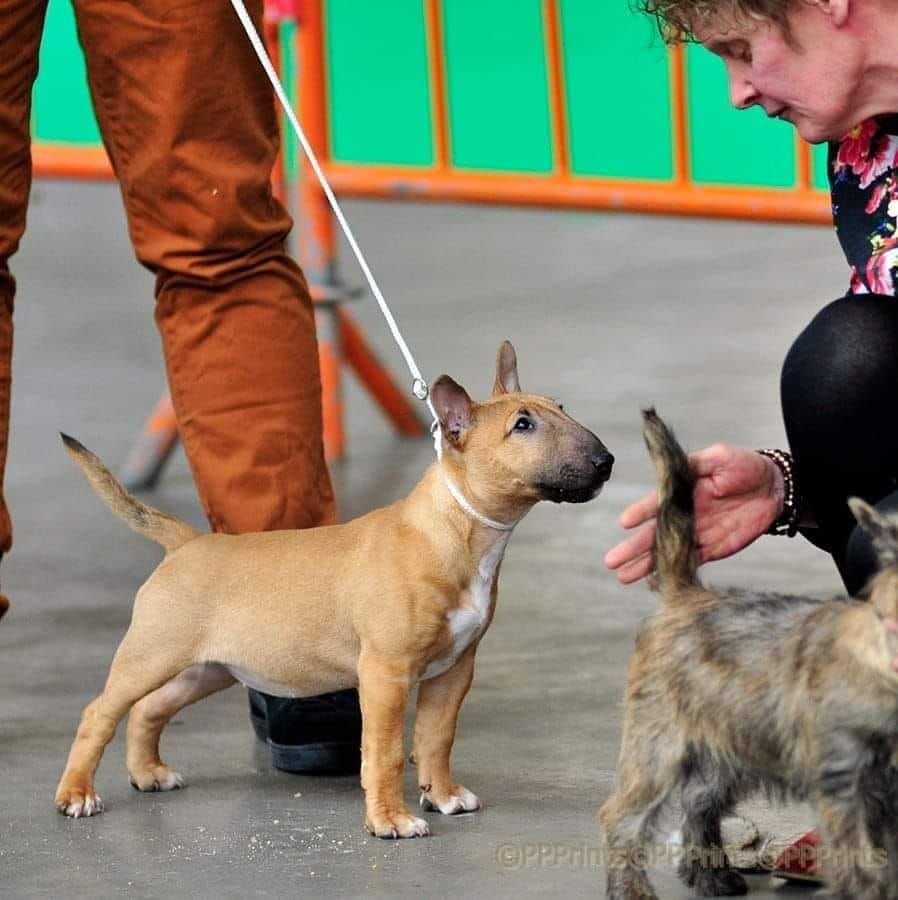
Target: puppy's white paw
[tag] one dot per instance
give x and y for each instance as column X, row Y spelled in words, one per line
column 77, row 803
column 400, row 825
column 461, row 800
column 157, row 778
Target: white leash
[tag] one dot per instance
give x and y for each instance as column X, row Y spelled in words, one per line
column 419, row 385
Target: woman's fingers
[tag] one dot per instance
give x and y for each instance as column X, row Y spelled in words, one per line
column 630, row 549
column 707, row 462
column 640, row 511
column 635, row 569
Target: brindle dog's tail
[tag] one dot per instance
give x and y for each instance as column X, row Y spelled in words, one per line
column 674, row 550
column 143, row 519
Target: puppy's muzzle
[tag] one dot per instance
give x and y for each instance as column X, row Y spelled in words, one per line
column 580, row 483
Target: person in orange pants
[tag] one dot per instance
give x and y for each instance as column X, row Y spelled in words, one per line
column 187, row 118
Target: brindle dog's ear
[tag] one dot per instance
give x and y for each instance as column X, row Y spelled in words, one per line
column 506, row 371
column 883, row 530
column 453, row 408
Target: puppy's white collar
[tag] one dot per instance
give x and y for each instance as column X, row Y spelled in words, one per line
column 462, row 501
column 458, row 496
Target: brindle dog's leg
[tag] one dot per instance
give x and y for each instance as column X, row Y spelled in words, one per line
column 709, row 793
column 855, row 790
column 878, row 794
column 439, row 701
column 857, row 796
column 383, row 693
column 885, row 835
column 842, row 839
column 645, row 781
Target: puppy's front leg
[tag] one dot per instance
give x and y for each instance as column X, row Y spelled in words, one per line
column 383, row 693
column 439, row 702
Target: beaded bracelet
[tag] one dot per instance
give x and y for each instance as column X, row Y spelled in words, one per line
column 788, row 520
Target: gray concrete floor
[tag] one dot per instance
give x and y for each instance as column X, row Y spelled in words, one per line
column 608, row 312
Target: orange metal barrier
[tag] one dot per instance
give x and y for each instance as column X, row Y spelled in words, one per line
column 680, row 196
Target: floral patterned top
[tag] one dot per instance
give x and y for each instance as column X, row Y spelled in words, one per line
column 863, row 177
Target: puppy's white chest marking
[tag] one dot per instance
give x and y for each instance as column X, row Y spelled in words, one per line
column 467, row 622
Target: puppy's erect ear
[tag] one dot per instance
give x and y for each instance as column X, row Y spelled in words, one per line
column 883, row 530
column 453, row 408
column 506, row 371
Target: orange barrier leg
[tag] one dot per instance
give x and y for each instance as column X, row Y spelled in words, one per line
column 331, row 381
column 153, row 447
column 396, row 404
column 318, row 244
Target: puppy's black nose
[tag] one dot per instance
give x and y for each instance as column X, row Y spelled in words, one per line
column 603, row 461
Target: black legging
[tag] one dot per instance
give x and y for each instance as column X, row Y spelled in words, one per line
column 840, row 406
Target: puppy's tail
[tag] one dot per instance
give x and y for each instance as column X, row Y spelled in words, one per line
column 674, row 550
column 143, row 519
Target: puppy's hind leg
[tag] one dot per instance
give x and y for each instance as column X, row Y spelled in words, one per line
column 138, row 668
column 150, row 715
column 709, row 793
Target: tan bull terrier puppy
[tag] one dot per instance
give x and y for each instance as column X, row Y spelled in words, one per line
column 395, row 598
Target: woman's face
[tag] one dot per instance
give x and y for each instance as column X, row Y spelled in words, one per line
column 811, row 78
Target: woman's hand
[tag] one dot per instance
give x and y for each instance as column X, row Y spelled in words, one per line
column 738, row 495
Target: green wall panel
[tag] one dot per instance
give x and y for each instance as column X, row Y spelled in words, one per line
column 377, row 72
column 61, row 109
column 497, row 85
column 819, row 175
column 615, row 74
column 618, row 92
column 732, row 146
column 289, row 143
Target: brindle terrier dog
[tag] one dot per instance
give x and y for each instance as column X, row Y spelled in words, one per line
column 731, row 692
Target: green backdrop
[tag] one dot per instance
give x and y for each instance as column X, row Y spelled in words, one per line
column 616, row 81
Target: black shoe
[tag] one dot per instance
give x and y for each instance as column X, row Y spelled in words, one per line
column 311, row 734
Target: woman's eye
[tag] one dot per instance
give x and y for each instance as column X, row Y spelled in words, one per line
column 523, row 424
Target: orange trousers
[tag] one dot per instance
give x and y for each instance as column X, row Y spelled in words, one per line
column 187, row 118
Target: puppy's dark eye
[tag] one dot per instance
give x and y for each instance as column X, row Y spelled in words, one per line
column 524, row 424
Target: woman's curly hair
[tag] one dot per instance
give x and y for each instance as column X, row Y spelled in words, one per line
column 677, row 19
